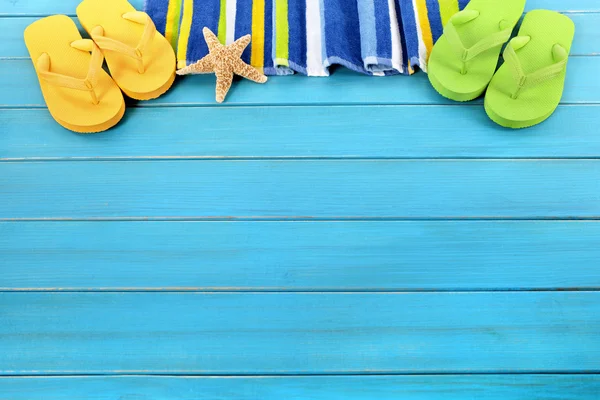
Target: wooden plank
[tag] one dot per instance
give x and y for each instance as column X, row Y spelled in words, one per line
column 300, row 256
column 328, row 189
column 416, row 387
column 344, row 131
column 587, row 33
column 299, row 333
column 587, row 40
column 20, row 88
column 47, row 7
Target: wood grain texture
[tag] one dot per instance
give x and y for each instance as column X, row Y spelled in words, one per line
column 284, row 256
column 313, row 132
column 419, row 387
column 18, row 79
column 229, row 333
column 47, row 7
column 330, row 189
column 587, row 39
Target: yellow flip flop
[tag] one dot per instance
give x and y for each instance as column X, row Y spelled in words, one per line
column 139, row 58
column 79, row 94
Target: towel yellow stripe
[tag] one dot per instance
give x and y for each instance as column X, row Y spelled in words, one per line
column 425, row 26
column 282, row 35
column 447, row 9
column 172, row 25
column 222, row 32
column 257, row 56
column 184, row 36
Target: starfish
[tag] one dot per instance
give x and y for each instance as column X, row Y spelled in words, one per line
column 224, row 61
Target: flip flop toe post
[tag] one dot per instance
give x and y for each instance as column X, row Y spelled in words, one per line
column 79, row 94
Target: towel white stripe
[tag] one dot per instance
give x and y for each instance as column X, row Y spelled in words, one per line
column 395, row 34
column 422, row 48
column 314, row 45
column 230, row 11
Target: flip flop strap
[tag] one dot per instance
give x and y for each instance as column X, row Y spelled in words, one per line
column 525, row 81
column 88, row 84
column 137, row 53
column 466, row 54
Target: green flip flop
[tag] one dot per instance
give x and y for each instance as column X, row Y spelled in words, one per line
column 465, row 57
column 527, row 88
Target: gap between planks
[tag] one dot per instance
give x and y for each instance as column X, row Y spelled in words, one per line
column 192, row 374
column 290, row 158
column 251, row 290
column 299, row 219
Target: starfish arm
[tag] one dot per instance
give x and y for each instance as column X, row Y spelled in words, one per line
column 239, row 45
column 224, row 79
column 248, row 71
column 201, row 66
column 211, row 40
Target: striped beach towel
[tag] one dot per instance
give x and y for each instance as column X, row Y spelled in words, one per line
column 376, row 37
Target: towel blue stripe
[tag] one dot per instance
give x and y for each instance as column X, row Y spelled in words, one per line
column 368, row 34
column 403, row 33
column 324, row 56
column 243, row 24
column 206, row 13
column 273, row 34
column 341, row 21
column 297, row 29
column 157, row 10
column 382, row 28
column 435, row 19
column 268, row 46
column 410, row 31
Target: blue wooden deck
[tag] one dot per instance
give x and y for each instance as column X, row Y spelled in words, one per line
column 342, row 238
